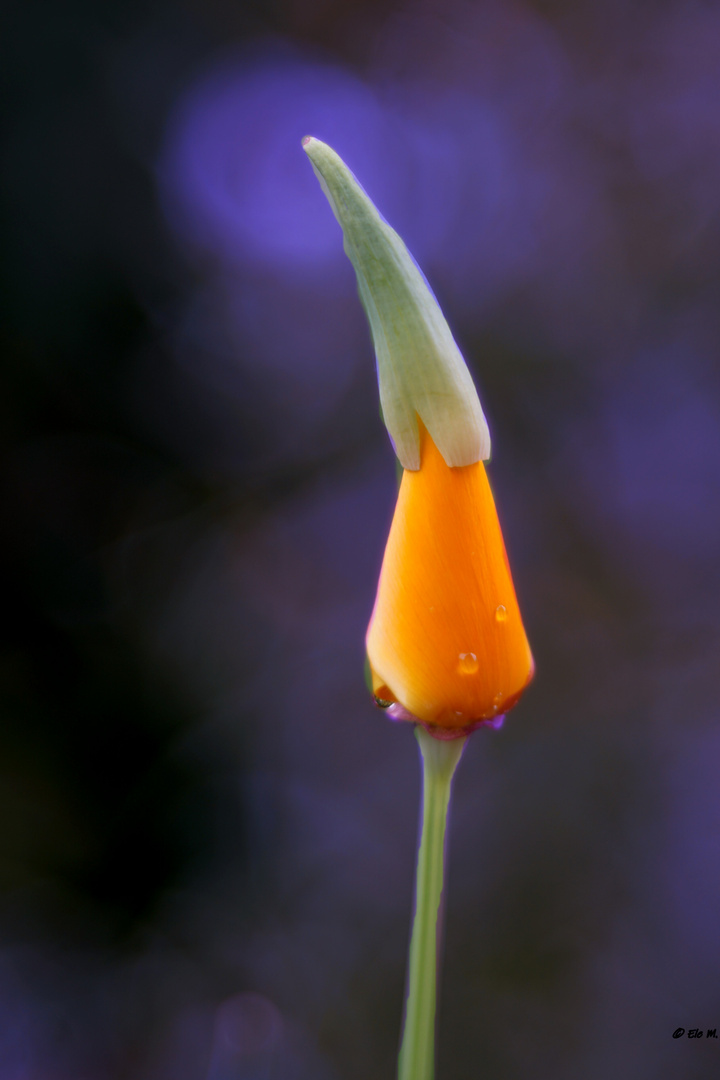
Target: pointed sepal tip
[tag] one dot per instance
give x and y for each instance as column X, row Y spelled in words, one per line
column 421, row 372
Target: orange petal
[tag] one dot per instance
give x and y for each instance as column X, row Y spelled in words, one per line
column 446, row 639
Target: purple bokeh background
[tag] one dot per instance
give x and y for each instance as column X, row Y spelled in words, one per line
column 207, row 832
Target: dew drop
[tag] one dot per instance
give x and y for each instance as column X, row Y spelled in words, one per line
column 384, row 697
column 467, row 663
column 501, row 613
column 497, row 700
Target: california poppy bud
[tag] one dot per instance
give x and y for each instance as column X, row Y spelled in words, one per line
column 446, row 639
column 446, row 643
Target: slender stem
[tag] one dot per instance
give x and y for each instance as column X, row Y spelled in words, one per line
column 417, row 1051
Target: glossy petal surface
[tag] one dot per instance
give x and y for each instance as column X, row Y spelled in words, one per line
column 446, row 638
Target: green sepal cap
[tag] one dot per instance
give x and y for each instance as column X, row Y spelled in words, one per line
column 421, row 371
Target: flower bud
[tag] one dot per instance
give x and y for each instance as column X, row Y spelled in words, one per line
column 446, row 639
column 421, row 371
column 446, row 643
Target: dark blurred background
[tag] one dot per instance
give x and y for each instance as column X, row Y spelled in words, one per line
column 207, row 832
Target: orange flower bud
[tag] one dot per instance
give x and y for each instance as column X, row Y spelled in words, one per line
column 446, row 643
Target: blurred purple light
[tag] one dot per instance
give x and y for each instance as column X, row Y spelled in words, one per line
column 235, row 179
column 499, row 100
column 446, row 165
column 299, row 349
column 674, row 117
column 649, row 465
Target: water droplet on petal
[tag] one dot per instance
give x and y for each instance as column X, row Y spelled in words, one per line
column 384, row 697
column 467, row 663
column 497, row 700
column 501, row 613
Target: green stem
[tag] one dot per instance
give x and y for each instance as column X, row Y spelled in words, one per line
column 417, row 1051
